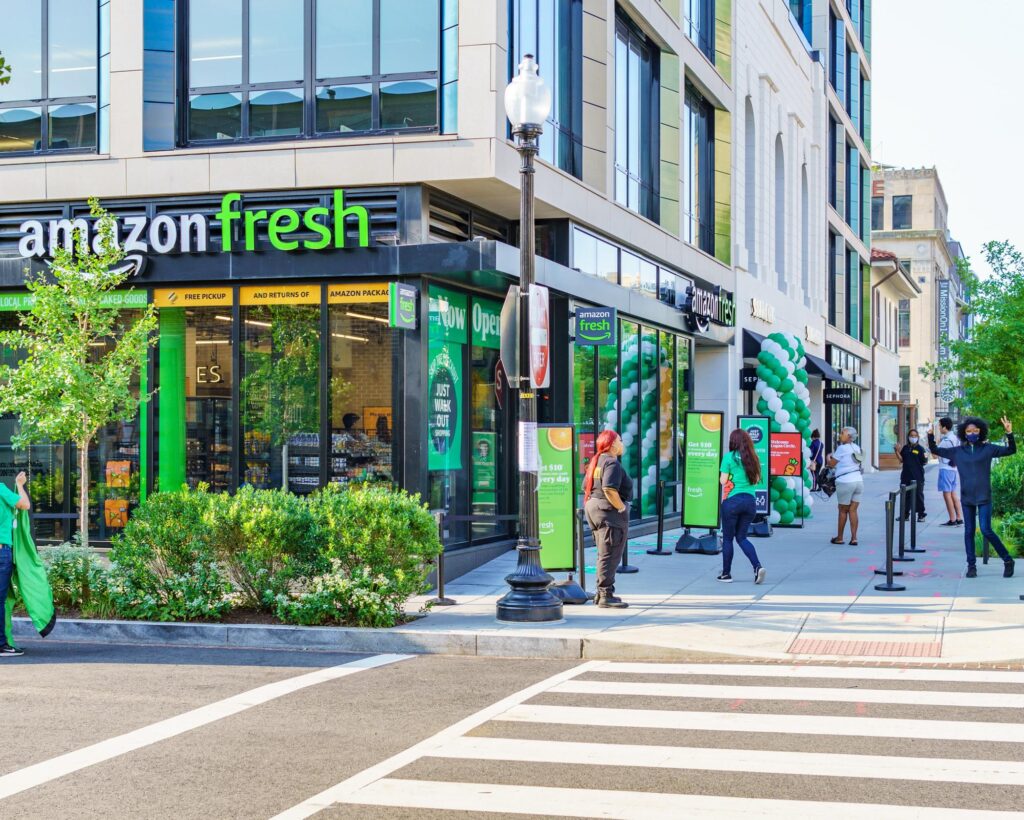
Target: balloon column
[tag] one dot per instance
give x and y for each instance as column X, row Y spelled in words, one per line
column 783, row 396
column 641, row 361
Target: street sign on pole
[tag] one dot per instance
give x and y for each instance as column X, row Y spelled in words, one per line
column 540, row 338
column 509, row 355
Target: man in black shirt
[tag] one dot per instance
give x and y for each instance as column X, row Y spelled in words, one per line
column 913, row 457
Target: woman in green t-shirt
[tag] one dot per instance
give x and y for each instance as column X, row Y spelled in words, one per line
column 740, row 474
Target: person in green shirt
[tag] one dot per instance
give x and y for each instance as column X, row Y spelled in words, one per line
column 9, row 502
column 740, row 474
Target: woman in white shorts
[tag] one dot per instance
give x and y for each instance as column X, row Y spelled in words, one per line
column 846, row 461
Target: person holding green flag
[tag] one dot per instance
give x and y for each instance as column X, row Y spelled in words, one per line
column 9, row 502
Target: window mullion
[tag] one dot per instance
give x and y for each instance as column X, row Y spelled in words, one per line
column 245, row 69
column 375, row 46
column 309, row 80
column 44, row 86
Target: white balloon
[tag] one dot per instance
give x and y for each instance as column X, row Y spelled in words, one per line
column 782, row 416
column 632, row 428
column 789, row 427
column 774, row 517
column 775, row 404
column 769, row 393
column 627, row 439
column 790, row 368
column 761, row 387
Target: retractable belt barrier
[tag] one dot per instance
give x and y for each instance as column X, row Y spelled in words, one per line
column 890, row 514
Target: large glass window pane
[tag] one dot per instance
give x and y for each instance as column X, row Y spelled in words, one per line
column 408, row 36
column 344, row 38
column 650, row 406
column 72, row 48
column 584, row 252
column 583, row 398
column 280, row 397
column 73, row 126
column 215, row 117
column 682, row 404
column 607, row 261
column 362, row 390
column 275, row 113
column 488, row 421
column 630, row 426
column 20, row 129
column 215, row 43
column 275, row 40
column 22, row 48
column 344, row 108
column 408, row 104
column 902, row 213
column 630, row 271
column 667, row 413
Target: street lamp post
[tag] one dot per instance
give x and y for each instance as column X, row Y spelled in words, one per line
column 527, row 104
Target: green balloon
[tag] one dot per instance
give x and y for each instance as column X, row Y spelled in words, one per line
column 786, row 385
column 774, row 495
column 788, row 494
column 774, row 382
column 801, row 376
column 786, row 518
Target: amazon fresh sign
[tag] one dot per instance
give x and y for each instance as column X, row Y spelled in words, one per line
column 595, row 327
column 321, row 229
column 402, row 305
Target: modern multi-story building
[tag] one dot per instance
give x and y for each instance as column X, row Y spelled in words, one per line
column 273, row 166
column 910, row 221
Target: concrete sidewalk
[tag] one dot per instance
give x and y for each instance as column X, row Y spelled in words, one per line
column 818, row 602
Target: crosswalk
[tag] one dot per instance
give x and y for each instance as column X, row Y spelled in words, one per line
column 649, row 740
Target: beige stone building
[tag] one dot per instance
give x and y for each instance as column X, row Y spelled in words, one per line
column 910, row 220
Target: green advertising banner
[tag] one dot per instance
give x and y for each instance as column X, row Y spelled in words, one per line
column 487, row 323
column 556, row 497
column 112, row 299
column 484, row 451
column 448, row 315
column 759, row 429
column 444, row 419
column 702, row 459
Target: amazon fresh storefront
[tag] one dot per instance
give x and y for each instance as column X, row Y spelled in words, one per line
column 317, row 337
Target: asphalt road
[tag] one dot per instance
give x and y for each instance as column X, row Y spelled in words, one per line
column 155, row 732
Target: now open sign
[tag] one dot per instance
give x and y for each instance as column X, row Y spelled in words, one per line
column 595, row 326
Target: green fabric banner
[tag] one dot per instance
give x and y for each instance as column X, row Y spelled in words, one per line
column 703, row 457
column 758, row 428
column 556, row 497
column 171, row 401
column 448, row 315
column 444, row 405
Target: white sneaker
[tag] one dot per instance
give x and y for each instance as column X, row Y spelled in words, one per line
column 759, row 575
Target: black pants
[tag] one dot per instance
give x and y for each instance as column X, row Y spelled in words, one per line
column 906, row 481
column 611, row 543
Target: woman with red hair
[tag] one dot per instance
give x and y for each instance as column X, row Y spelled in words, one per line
column 739, row 477
column 607, row 491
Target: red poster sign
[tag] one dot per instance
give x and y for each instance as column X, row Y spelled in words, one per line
column 587, row 447
column 785, row 454
column 500, row 380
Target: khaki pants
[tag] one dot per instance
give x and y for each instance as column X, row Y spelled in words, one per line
column 611, row 543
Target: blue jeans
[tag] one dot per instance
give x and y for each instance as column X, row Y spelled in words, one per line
column 6, row 571
column 982, row 513
column 738, row 513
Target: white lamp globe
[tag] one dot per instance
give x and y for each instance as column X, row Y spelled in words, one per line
column 527, row 97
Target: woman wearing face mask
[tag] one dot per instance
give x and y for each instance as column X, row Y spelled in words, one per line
column 973, row 460
column 846, row 461
column 607, row 491
column 913, row 457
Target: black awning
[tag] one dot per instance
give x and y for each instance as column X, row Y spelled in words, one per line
column 751, row 344
column 818, row 366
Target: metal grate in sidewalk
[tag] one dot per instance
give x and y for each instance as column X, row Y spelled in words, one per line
column 881, row 649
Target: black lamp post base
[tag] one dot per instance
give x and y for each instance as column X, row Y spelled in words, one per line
column 530, row 599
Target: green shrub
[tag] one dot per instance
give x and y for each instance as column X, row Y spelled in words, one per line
column 78, row 579
column 387, row 532
column 264, row 539
column 163, row 565
column 359, row 598
column 1010, row 530
column 1008, row 486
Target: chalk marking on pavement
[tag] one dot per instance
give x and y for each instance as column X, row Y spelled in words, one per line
column 358, row 782
column 630, row 805
column 830, row 672
column 66, row 764
column 995, row 772
column 774, row 724
column 905, row 697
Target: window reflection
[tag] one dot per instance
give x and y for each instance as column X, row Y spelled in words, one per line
column 275, row 113
column 73, row 126
column 344, row 38
column 344, row 108
column 23, row 49
column 20, row 129
column 408, row 104
column 215, row 117
column 72, row 48
column 275, row 40
column 408, row 36
column 215, row 43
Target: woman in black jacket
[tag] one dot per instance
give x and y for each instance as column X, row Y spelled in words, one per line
column 973, row 460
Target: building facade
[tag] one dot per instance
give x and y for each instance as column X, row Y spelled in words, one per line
column 275, row 167
column 910, row 221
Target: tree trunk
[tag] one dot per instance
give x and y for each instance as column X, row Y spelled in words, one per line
column 83, row 493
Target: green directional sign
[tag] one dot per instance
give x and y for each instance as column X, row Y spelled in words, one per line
column 556, row 497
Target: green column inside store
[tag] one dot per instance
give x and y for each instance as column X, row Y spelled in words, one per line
column 171, row 400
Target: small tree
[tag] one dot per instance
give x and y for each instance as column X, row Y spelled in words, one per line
column 61, row 389
column 989, row 365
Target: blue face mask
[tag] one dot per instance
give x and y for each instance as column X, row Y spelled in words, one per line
column 914, row 439
column 973, row 437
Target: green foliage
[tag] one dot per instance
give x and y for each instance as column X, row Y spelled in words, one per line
column 61, row 388
column 1010, row 529
column 5, row 71
column 264, row 539
column 78, row 579
column 1008, row 486
column 164, row 566
column 388, row 531
column 338, row 597
column 988, row 365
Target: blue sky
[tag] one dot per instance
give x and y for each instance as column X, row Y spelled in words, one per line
column 947, row 92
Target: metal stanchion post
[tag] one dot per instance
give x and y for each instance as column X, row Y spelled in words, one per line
column 890, row 529
column 440, row 600
column 889, row 586
column 913, row 520
column 581, row 551
column 661, row 522
column 903, row 525
column 626, row 567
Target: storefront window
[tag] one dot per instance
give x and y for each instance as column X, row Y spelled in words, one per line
column 583, row 402
column 630, row 426
column 650, row 411
column 363, row 349
column 280, row 388
column 488, row 421
column 682, row 405
column 667, row 415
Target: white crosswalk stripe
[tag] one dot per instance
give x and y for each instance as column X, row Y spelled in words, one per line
column 800, row 753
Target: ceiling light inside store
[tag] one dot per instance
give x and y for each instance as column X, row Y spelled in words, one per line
column 353, row 338
column 213, row 341
column 247, row 321
column 368, row 318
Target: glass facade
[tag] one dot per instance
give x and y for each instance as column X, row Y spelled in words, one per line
column 51, row 101
column 637, row 131
column 639, row 388
column 698, row 171
column 699, row 25
column 552, row 31
column 277, row 69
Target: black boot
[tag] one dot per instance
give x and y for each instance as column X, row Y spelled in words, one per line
column 607, row 600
